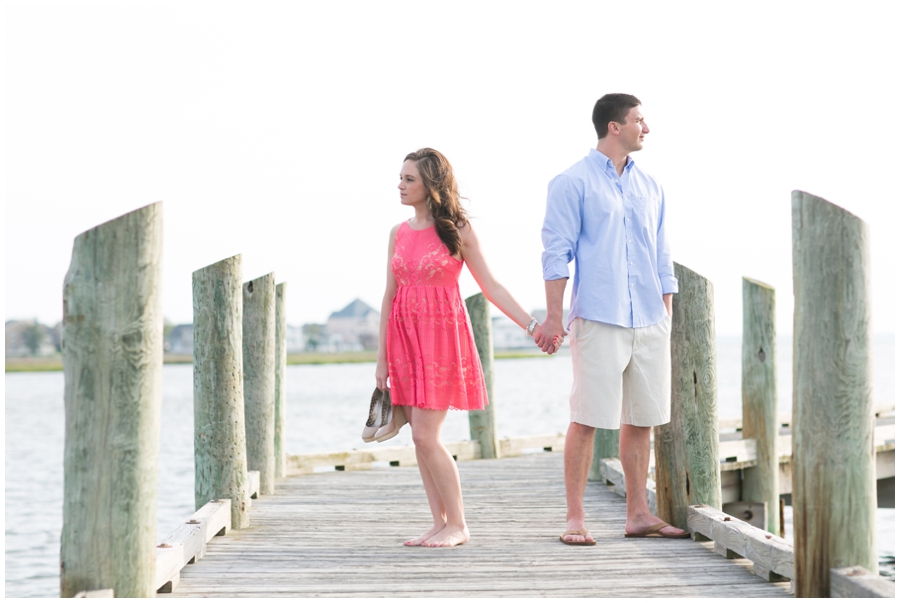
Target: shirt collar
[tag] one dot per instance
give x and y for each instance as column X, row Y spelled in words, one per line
column 606, row 163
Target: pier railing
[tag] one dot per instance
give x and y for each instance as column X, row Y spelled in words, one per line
column 112, row 355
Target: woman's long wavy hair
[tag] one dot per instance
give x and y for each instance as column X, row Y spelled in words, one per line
column 443, row 196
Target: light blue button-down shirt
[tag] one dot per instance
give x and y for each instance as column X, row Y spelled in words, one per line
column 614, row 228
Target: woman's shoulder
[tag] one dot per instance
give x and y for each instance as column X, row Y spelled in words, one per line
column 392, row 238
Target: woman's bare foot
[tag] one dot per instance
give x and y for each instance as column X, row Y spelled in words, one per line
column 418, row 541
column 449, row 536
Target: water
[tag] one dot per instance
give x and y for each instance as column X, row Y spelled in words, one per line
column 326, row 408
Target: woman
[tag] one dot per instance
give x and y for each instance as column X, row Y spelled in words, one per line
column 425, row 341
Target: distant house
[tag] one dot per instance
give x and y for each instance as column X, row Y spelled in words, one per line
column 507, row 335
column 180, row 340
column 295, row 339
column 314, row 338
column 354, row 328
column 30, row 338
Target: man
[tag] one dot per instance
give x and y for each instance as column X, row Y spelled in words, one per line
column 609, row 216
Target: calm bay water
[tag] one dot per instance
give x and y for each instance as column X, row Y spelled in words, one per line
column 326, row 410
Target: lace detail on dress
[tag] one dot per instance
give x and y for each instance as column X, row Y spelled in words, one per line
column 432, row 360
column 423, row 260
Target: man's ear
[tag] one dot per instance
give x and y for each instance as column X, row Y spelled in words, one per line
column 613, row 128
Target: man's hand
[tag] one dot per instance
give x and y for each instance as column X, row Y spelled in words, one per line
column 667, row 300
column 549, row 336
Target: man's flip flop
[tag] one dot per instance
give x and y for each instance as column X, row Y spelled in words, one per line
column 655, row 531
column 581, row 532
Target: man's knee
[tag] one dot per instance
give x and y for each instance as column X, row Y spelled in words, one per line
column 580, row 431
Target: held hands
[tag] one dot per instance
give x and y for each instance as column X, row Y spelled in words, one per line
column 549, row 336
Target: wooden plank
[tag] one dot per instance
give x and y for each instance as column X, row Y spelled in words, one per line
column 737, row 450
column 885, row 466
column 103, row 593
column 784, row 418
column 187, row 544
column 857, row 582
column 772, row 557
column 742, row 450
column 351, row 460
column 515, row 446
column 731, row 486
column 884, row 436
column 319, row 535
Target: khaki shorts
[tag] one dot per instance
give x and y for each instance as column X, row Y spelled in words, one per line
column 622, row 375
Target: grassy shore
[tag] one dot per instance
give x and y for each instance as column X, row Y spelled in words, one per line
column 18, row 365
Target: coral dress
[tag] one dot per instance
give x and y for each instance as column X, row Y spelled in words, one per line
column 432, row 360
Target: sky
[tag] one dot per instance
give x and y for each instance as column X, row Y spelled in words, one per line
column 276, row 130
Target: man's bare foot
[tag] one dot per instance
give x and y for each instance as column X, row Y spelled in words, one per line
column 449, row 536
column 418, row 541
column 577, row 526
column 642, row 524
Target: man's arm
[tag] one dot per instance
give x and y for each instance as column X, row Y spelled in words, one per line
column 562, row 225
column 664, row 263
column 552, row 327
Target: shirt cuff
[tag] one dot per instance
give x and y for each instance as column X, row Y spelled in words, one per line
column 556, row 270
column 669, row 284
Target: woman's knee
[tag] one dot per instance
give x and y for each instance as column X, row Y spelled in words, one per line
column 425, row 440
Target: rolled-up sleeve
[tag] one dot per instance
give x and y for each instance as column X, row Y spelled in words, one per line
column 664, row 263
column 562, row 224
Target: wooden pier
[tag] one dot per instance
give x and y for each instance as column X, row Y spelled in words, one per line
column 342, row 533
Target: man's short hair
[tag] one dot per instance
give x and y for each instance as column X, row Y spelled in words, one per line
column 612, row 107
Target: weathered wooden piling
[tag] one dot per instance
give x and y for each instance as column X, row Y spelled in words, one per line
column 482, row 422
column 112, row 359
column 220, row 445
column 833, row 417
column 687, row 448
column 760, row 399
column 606, row 446
column 280, row 368
column 259, row 378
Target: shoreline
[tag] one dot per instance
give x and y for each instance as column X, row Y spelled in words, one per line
column 51, row 364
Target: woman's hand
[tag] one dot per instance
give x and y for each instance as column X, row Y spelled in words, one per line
column 381, row 374
column 549, row 336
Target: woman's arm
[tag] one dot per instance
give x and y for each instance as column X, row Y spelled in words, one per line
column 390, row 289
column 493, row 290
